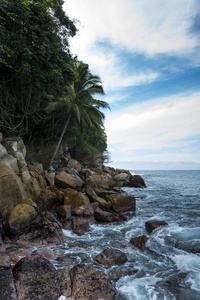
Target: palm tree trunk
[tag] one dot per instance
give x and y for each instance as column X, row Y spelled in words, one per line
column 60, row 139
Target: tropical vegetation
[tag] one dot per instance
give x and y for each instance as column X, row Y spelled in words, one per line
column 46, row 95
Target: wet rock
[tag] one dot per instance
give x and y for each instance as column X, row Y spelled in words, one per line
column 7, row 286
column 44, row 230
column 139, row 242
column 153, row 224
column 105, row 216
column 88, row 283
column 80, row 225
column 36, row 278
column 116, row 274
column 75, row 198
column 11, row 189
column 65, row 180
column 111, row 257
column 135, row 181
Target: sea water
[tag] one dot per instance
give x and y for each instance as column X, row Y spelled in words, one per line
column 169, row 268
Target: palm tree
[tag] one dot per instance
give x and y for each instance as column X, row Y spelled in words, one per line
column 80, row 102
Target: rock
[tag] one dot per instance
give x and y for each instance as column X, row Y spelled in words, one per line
column 153, row 224
column 46, row 200
column 11, row 189
column 135, row 181
column 7, row 286
column 20, row 218
column 2, row 246
column 64, row 211
column 37, row 172
column 3, row 151
column 75, row 198
column 37, row 278
column 80, row 225
column 88, row 283
column 74, row 164
column 116, row 274
column 45, row 229
column 14, row 144
column 121, row 178
column 139, row 241
column 1, row 137
column 50, row 177
column 105, row 216
column 12, row 161
column 67, row 180
column 111, row 257
column 93, row 196
column 100, row 181
column 120, row 202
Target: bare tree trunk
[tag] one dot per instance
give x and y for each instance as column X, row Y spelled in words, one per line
column 60, row 140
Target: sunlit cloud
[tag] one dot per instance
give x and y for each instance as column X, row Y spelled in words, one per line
column 156, row 124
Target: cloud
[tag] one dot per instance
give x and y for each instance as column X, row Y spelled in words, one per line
column 149, row 27
column 154, row 124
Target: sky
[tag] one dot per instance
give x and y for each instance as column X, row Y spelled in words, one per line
column 147, row 54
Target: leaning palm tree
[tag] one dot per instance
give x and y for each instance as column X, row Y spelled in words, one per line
column 80, row 102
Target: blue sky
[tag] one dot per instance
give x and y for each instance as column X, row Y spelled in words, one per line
column 147, row 53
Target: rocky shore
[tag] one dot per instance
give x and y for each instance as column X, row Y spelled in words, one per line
column 35, row 205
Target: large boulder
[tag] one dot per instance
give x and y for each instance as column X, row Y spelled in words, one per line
column 153, row 224
column 105, row 216
column 94, row 198
column 3, row 151
column 121, row 178
column 20, row 218
column 101, row 181
column 80, row 225
column 88, row 283
column 120, row 202
column 7, row 286
column 11, row 189
column 12, row 161
column 135, row 181
column 75, row 198
column 111, row 257
column 37, row 278
column 66, row 180
column 74, row 164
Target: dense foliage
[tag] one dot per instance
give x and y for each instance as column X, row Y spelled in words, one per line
column 41, row 85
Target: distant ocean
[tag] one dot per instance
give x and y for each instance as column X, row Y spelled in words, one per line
column 170, row 267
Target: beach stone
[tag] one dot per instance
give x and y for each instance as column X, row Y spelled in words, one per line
column 36, row 278
column 90, row 284
column 139, row 242
column 75, row 198
column 111, row 257
column 120, row 202
column 66, row 180
column 7, row 286
column 153, row 224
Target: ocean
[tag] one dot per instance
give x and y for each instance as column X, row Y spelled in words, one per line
column 170, row 266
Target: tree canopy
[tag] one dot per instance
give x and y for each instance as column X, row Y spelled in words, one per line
column 41, row 84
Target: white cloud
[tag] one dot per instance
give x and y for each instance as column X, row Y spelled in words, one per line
column 147, row 26
column 154, row 125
